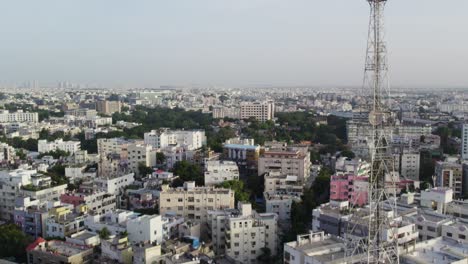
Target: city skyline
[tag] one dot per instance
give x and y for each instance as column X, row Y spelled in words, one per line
column 251, row 43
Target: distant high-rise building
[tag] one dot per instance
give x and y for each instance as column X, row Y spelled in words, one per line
column 108, row 107
column 465, row 142
column 262, row 111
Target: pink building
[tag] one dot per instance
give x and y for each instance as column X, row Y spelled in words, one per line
column 347, row 187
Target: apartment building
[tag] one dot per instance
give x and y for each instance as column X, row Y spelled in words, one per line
column 107, row 146
column 18, row 117
column 114, row 184
column 63, row 222
column 114, row 220
column 219, row 171
column 410, row 165
column 44, row 146
column 174, row 154
column 262, row 111
column 140, row 154
column 56, row 251
column 30, row 217
column 7, row 153
column 351, row 188
column 280, row 204
column 225, row 111
column 146, row 228
column 464, row 137
column 12, row 185
column 190, row 139
column 245, row 155
column 81, row 112
column 241, row 234
column 108, row 107
column 287, row 162
column 449, row 174
column 275, row 182
column 194, row 202
column 96, row 201
column 315, row 248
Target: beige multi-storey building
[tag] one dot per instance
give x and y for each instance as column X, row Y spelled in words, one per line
column 242, row 234
column 194, row 202
column 262, row 111
column 108, row 107
column 291, row 161
column 112, row 145
column 140, row 154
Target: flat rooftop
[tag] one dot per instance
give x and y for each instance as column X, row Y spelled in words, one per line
column 65, row 248
column 438, row 250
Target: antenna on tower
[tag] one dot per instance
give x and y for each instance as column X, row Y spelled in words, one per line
column 371, row 235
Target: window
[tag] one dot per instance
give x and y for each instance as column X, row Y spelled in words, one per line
column 449, row 234
column 461, row 236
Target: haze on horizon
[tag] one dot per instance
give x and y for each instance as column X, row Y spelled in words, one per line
column 231, row 43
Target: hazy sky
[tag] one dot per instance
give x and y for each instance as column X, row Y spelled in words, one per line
column 228, row 42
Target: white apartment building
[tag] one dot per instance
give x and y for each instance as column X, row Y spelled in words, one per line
column 437, row 199
column 190, row 139
column 115, row 221
column 63, row 223
column 457, row 230
column 11, row 183
column 174, row 154
column 45, row 194
column 241, row 234
column 96, row 202
column 114, row 184
column 410, row 164
column 280, row 204
column 316, row 248
column 194, row 202
column 275, row 182
column 44, row 146
column 219, row 171
column 262, row 111
column 19, row 116
column 224, row 111
column 7, row 153
column 146, row 228
column 140, row 153
column 464, row 150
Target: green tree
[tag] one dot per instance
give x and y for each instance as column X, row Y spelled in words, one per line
column 20, row 154
column 188, row 171
column 104, row 233
column 160, row 158
column 144, row 170
column 240, row 192
column 266, row 256
column 13, row 242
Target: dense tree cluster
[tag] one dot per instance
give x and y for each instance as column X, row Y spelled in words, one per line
column 13, row 242
column 301, row 213
column 188, row 171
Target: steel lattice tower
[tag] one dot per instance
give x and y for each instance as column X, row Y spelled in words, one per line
column 371, row 235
